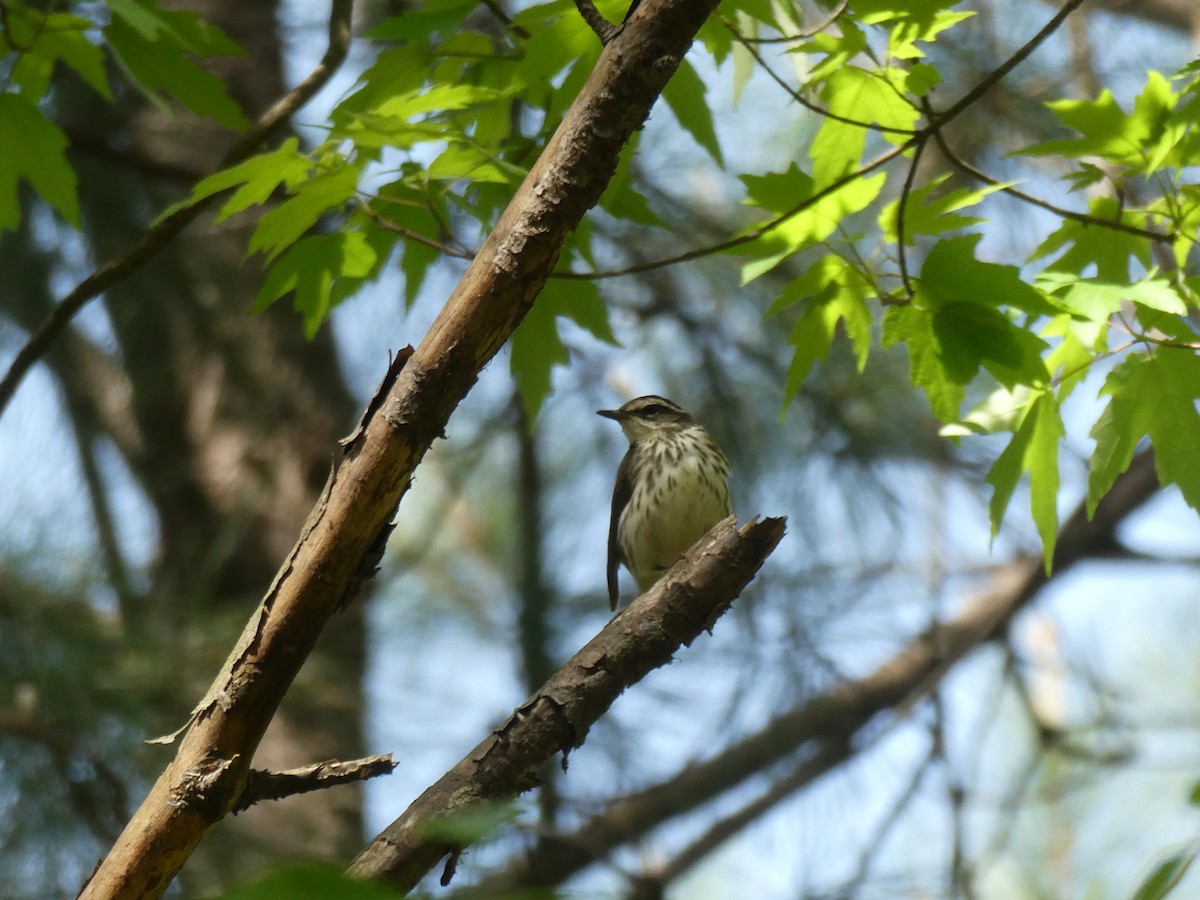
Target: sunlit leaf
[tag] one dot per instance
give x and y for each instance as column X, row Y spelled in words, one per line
column 927, row 212
column 282, row 226
column 310, row 267
column 1033, row 449
column 55, row 38
column 259, row 177
column 832, row 293
column 1154, row 396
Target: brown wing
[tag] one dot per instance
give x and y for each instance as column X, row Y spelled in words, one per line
column 622, row 491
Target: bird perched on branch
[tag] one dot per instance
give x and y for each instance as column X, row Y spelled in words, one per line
column 671, row 488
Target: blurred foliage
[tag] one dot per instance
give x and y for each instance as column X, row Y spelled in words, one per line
column 867, row 265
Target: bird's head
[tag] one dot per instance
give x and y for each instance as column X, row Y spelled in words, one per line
column 649, row 415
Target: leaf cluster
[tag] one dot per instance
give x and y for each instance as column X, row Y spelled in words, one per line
column 1115, row 281
column 419, row 157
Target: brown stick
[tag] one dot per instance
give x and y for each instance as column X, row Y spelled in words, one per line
column 261, row 785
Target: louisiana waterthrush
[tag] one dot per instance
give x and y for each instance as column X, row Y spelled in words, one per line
column 671, row 488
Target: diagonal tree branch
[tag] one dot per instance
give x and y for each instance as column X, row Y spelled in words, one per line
column 828, row 727
column 166, row 229
column 685, row 602
column 344, row 534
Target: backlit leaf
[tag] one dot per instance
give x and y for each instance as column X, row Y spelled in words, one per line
column 1033, row 449
column 536, row 344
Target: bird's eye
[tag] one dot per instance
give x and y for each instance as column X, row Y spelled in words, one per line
column 654, row 410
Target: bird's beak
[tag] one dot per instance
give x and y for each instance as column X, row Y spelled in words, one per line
column 614, row 414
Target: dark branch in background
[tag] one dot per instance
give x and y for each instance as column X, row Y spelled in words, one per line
column 534, row 626
column 262, row 785
column 958, row 881
column 87, row 444
column 687, row 601
column 839, row 717
column 134, row 159
column 504, row 18
column 827, row 757
column 168, row 228
column 535, row 633
column 101, row 801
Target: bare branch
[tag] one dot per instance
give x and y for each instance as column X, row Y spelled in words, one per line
column 685, row 602
column 902, row 211
column 261, row 785
column 998, row 74
column 804, row 35
column 756, row 232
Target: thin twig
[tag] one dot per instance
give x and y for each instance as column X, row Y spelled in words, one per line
column 800, row 98
column 262, row 785
column 169, row 227
column 902, row 209
column 755, row 233
column 1084, row 218
column 605, row 30
column 997, row 75
column 408, row 234
column 808, row 32
column 951, row 113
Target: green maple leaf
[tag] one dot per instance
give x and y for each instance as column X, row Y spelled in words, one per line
column 536, row 344
column 1033, row 449
column 1154, row 396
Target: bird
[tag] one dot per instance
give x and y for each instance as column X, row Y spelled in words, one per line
column 671, row 488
